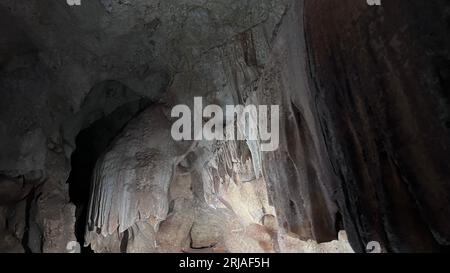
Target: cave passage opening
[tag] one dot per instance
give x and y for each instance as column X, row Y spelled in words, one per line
column 91, row 143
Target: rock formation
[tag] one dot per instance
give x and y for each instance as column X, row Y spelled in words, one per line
column 87, row 157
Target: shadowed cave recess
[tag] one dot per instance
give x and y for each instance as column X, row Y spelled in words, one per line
column 88, row 162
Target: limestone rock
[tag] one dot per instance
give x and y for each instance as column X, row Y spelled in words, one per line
column 364, row 125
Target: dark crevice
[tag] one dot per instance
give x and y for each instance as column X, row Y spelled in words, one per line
column 124, row 242
column 204, row 247
column 339, row 223
column 26, row 234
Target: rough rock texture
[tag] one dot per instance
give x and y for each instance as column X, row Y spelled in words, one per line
column 363, row 95
column 381, row 88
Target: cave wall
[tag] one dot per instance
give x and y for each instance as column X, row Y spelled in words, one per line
column 380, row 80
column 363, row 93
column 365, row 129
